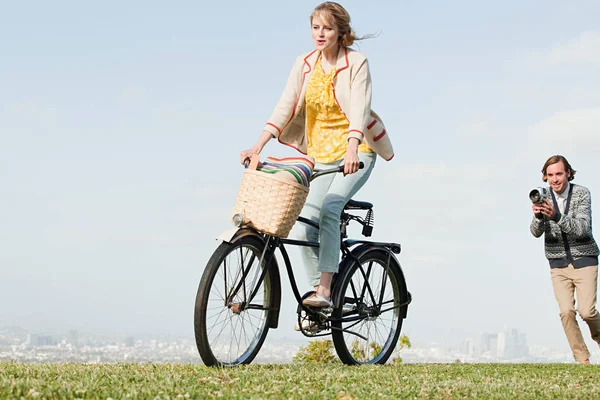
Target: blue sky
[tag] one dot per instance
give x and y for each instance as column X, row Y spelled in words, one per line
column 121, row 125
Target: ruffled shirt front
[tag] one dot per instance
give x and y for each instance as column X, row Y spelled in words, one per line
column 326, row 125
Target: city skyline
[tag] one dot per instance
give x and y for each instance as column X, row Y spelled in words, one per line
column 17, row 344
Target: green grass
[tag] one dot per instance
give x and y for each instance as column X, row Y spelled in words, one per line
column 172, row 381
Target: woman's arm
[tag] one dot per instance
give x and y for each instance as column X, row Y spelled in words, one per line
column 351, row 160
column 360, row 103
column 287, row 102
column 282, row 113
column 257, row 148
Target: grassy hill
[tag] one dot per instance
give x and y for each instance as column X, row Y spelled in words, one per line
column 176, row 381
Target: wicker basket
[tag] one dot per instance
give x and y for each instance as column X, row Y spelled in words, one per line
column 269, row 203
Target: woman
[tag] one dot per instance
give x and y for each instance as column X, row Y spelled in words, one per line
column 325, row 112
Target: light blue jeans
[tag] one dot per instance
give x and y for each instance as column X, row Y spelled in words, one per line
column 326, row 199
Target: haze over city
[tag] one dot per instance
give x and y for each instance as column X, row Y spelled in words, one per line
column 121, row 126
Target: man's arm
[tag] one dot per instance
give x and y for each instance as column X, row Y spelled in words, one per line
column 578, row 223
column 537, row 226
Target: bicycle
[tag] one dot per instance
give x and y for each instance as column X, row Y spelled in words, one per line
column 239, row 295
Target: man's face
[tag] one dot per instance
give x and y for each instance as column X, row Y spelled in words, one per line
column 557, row 177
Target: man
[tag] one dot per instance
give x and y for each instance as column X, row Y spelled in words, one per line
column 565, row 219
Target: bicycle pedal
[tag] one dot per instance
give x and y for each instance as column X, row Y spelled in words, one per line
column 308, row 326
column 313, row 329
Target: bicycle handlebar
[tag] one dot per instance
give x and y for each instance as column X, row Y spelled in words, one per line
column 317, row 172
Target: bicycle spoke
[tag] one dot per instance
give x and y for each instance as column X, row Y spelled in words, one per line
column 235, row 340
column 231, row 329
column 226, row 321
column 372, row 292
column 222, row 314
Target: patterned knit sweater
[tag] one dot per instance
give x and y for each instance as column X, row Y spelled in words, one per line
column 568, row 237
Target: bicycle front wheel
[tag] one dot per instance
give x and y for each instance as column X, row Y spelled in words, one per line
column 230, row 328
column 367, row 317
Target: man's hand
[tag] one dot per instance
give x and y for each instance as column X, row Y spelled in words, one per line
column 537, row 210
column 546, row 208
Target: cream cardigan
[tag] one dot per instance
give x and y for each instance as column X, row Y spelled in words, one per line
column 352, row 90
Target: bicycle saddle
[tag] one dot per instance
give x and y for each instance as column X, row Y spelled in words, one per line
column 358, row 205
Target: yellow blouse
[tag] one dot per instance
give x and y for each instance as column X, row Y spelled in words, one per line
column 326, row 125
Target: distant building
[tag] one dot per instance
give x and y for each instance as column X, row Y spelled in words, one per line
column 73, row 338
column 508, row 345
column 467, row 347
column 516, row 345
column 37, row 340
column 501, row 345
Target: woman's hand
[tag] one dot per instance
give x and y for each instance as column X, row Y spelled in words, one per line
column 351, row 160
column 246, row 155
column 257, row 148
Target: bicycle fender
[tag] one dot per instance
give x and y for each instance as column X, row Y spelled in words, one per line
column 364, row 248
column 228, row 235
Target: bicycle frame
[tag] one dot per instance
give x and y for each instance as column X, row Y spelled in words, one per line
column 239, row 294
column 273, row 243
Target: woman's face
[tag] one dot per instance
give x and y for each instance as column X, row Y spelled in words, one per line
column 324, row 34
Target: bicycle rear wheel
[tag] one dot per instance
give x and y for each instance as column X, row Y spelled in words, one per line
column 367, row 317
column 229, row 329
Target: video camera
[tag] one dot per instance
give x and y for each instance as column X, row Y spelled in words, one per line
column 538, row 195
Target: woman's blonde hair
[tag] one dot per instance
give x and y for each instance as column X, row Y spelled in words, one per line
column 337, row 15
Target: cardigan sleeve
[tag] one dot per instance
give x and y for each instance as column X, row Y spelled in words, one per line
column 360, row 101
column 287, row 102
column 537, row 226
column 578, row 223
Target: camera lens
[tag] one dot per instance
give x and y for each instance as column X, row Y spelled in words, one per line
column 534, row 195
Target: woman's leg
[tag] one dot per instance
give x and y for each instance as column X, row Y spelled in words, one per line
column 342, row 189
column 312, row 211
